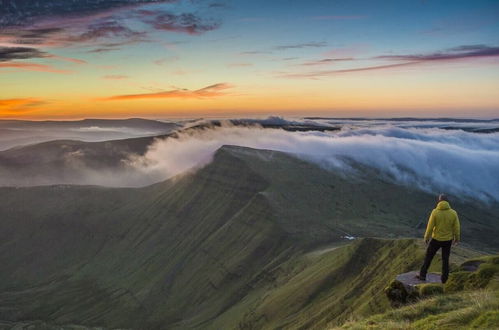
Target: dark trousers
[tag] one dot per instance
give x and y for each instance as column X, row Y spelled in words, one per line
column 430, row 253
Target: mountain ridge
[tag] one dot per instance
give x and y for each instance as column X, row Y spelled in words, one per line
column 225, row 244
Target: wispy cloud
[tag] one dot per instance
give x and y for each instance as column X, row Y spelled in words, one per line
column 19, row 105
column 104, row 25
column 115, row 77
column 456, row 53
column 23, row 53
column 24, row 66
column 21, row 13
column 326, row 61
column 353, row 50
column 337, row 17
column 108, row 29
column 301, row 45
column 20, row 53
column 325, row 73
column 165, row 60
column 465, row 52
column 215, row 90
column 240, row 64
column 255, row 52
column 184, row 23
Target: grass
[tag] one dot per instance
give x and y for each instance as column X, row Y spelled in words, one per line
column 477, row 309
column 470, row 301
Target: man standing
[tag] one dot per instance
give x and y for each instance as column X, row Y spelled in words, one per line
column 443, row 229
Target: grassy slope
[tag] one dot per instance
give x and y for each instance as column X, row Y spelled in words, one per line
column 325, row 205
column 473, row 306
column 222, row 246
column 319, row 289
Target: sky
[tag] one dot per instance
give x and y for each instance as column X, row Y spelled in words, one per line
column 63, row 59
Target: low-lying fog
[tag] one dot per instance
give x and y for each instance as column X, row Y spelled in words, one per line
column 437, row 156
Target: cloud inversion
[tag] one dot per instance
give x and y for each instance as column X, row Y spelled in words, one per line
column 465, row 165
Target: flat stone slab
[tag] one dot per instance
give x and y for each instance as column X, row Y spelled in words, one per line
column 409, row 279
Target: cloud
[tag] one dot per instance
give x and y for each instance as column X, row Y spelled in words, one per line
column 30, row 36
column 301, row 45
column 22, row 53
column 326, row 73
column 22, row 13
column 115, row 77
column 24, row 66
column 12, row 106
column 67, row 59
column 465, row 165
column 184, row 23
column 239, row 64
column 451, row 54
column 106, row 29
column 327, row 61
column 19, row 53
column 462, row 164
column 105, row 25
column 354, row 50
column 471, row 52
column 254, row 52
column 337, row 17
column 165, row 60
column 215, row 90
column 218, row 5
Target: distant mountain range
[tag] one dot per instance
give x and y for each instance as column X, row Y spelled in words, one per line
column 22, row 132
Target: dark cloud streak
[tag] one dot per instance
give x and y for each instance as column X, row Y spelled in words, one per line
column 184, row 23
column 104, row 25
column 302, row 45
column 463, row 52
column 22, row 13
column 327, row 61
column 19, row 53
column 456, row 53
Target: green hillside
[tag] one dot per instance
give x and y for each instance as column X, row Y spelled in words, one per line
column 470, row 301
column 252, row 240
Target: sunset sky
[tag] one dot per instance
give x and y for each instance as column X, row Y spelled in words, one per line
column 63, row 59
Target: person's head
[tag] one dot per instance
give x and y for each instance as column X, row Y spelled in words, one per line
column 442, row 197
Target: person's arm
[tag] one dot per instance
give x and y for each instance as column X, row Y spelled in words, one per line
column 457, row 230
column 429, row 227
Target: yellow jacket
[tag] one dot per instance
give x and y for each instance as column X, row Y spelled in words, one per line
column 443, row 224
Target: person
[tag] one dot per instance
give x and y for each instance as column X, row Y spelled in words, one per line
column 442, row 231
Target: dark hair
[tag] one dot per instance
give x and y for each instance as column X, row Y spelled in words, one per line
column 443, row 197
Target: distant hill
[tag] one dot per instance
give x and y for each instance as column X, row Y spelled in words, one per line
column 22, row 132
column 254, row 239
column 89, row 122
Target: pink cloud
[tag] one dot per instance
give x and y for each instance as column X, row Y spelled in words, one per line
column 211, row 91
column 32, row 67
column 115, row 77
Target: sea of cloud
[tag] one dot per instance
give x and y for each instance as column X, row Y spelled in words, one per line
column 434, row 155
column 459, row 163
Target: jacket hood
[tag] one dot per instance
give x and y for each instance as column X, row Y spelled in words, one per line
column 443, row 205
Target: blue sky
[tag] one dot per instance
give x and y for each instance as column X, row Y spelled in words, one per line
column 211, row 57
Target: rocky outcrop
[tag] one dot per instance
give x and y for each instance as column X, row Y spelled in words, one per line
column 471, row 275
column 407, row 288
